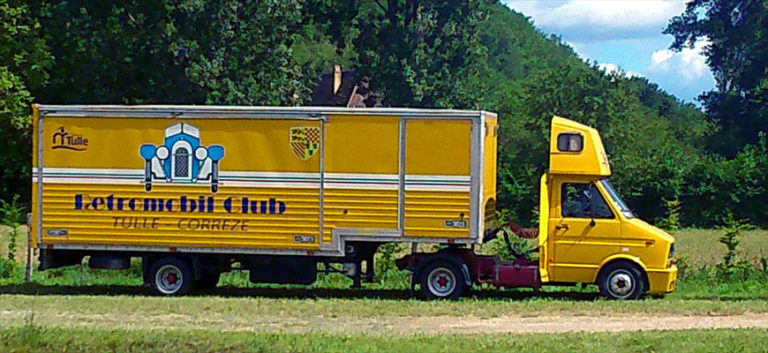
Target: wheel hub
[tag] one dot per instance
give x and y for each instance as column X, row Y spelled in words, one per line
column 441, row 282
column 620, row 283
column 169, row 279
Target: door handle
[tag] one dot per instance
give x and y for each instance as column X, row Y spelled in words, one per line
column 562, row 226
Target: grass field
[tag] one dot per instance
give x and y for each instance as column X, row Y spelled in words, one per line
column 20, row 339
column 101, row 310
column 700, row 247
column 699, row 250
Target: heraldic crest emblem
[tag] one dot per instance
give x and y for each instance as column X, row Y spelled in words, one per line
column 305, row 141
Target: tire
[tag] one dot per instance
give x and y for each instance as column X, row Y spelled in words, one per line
column 207, row 281
column 170, row 276
column 621, row 281
column 442, row 279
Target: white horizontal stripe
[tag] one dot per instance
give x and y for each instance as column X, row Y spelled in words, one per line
column 437, row 187
column 266, row 184
column 232, row 174
column 344, row 176
column 308, row 184
column 71, row 180
column 414, row 177
column 368, row 186
column 106, row 172
column 387, row 177
column 265, row 179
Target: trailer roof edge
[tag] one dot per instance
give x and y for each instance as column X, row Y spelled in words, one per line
column 186, row 111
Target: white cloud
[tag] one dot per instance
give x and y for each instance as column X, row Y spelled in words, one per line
column 689, row 63
column 661, row 56
column 612, row 68
column 598, row 20
column 626, row 36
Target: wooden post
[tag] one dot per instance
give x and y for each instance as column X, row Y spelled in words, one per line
column 30, row 250
column 30, row 256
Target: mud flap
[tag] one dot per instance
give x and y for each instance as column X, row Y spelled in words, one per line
column 465, row 271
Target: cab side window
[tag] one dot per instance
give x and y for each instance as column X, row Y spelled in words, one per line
column 583, row 200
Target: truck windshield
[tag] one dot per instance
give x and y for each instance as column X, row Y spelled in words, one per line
column 617, row 199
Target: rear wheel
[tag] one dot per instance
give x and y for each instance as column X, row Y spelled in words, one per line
column 170, row 276
column 442, row 279
column 620, row 281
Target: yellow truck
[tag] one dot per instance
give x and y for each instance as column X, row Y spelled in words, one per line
column 195, row 191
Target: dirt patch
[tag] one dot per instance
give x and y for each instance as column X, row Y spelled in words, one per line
column 386, row 325
column 557, row 324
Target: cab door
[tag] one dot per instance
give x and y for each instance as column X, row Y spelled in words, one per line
column 583, row 230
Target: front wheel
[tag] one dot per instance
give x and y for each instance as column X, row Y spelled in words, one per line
column 170, row 276
column 442, row 279
column 621, row 281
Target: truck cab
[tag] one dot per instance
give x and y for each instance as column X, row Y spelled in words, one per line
column 587, row 234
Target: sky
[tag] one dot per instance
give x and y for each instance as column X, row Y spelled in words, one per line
column 625, row 35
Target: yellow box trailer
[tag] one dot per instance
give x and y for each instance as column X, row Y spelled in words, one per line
column 191, row 190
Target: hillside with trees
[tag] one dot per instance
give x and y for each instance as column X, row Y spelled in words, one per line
column 675, row 164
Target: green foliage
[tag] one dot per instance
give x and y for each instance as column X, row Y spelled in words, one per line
column 316, row 54
column 736, row 33
column 12, row 216
column 716, row 186
column 475, row 54
column 76, row 339
column 672, row 221
column 24, row 65
column 385, row 266
column 423, row 53
column 190, row 51
column 682, row 266
column 730, row 239
column 731, row 268
column 732, row 178
column 7, row 267
column 213, row 41
column 508, row 245
column 652, row 139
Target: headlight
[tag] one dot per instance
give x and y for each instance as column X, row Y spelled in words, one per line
column 162, row 152
column 201, row 153
column 216, row 152
column 147, row 151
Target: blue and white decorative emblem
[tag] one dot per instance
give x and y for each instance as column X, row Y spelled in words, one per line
column 181, row 158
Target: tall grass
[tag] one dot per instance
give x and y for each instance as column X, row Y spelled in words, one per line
column 701, row 256
column 11, row 217
column 42, row 339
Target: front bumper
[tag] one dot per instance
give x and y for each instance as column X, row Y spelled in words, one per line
column 662, row 280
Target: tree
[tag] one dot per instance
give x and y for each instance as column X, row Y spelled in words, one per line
column 24, row 65
column 173, row 51
column 24, row 62
column 238, row 52
column 737, row 31
column 423, row 53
